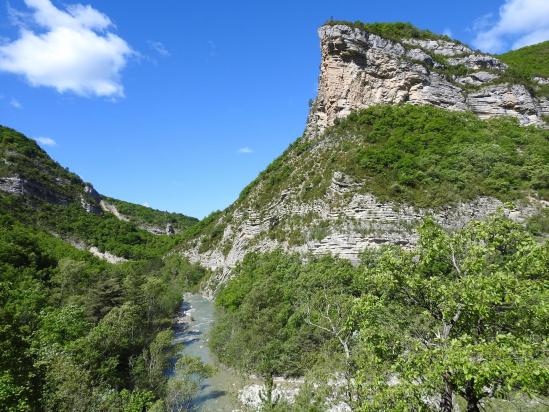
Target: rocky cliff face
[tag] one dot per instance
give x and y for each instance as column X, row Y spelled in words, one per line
column 360, row 69
column 343, row 223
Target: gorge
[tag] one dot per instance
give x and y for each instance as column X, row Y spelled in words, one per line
column 394, row 257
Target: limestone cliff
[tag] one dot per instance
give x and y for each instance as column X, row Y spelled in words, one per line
column 359, row 69
column 307, row 202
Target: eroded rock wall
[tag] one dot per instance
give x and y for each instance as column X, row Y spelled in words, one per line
column 359, row 69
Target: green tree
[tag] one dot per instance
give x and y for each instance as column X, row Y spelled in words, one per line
column 69, row 277
column 190, row 373
column 150, row 369
column 463, row 314
column 62, row 326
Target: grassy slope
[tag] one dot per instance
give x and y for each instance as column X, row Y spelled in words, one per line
column 419, row 155
column 24, row 158
column 143, row 215
column 533, row 60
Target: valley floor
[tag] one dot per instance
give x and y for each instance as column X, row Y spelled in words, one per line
column 196, row 317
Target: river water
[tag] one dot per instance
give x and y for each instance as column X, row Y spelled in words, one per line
column 219, row 393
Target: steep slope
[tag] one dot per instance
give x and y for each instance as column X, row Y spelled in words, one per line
column 36, row 190
column 369, row 168
column 531, row 60
column 78, row 332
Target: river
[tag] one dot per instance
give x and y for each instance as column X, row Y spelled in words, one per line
column 219, row 393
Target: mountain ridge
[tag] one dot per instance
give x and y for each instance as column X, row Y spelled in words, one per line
column 319, row 197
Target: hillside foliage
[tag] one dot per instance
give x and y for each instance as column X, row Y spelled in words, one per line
column 532, row 60
column 79, row 334
column 145, row 216
column 461, row 318
column 418, row 155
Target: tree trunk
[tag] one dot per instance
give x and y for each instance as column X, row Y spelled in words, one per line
column 472, row 398
column 345, row 346
column 446, row 397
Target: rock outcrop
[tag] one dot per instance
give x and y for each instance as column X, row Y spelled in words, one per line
column 19, row 186
column 91, row 200
column 110, row 208
column 360, row 69
column 344, row 224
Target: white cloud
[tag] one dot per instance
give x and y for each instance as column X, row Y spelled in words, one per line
column 245, row 150
column 448, row 32
column 146, row 204
column 16, row 104
column 159, row 48
column 46, row 141
column 69, row 50
column 519, row 23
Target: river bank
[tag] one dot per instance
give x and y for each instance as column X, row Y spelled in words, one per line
column 193, row 324
column 227, row 390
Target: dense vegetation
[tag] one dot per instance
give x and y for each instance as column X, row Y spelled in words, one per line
column 530, row 59
column 79, row 334
column 411, row 154
column 461, row 318
column 104, row 231
column 527, row 63
column 76, row 333
column 145, row 216
column 419, row 155
column 261, row 328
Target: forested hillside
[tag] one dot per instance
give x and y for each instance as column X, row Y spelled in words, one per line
column 459, row 320
column 78, row 333
column 38, row 191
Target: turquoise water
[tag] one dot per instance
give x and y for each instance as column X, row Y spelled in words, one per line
column 219, row 392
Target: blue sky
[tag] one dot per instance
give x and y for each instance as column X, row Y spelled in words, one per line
column 180, row 104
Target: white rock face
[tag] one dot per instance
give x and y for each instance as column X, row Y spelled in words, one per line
column 16, row 185
column 94, row 250
column 110, row 208
column 109, row 257
column 90, row 200
column 354, row 224
column 506, row 100
column 440, row 47
column 477, row 79
column 360, row 69
column 478, row 62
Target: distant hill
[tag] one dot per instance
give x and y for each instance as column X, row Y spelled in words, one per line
column 36, row 190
